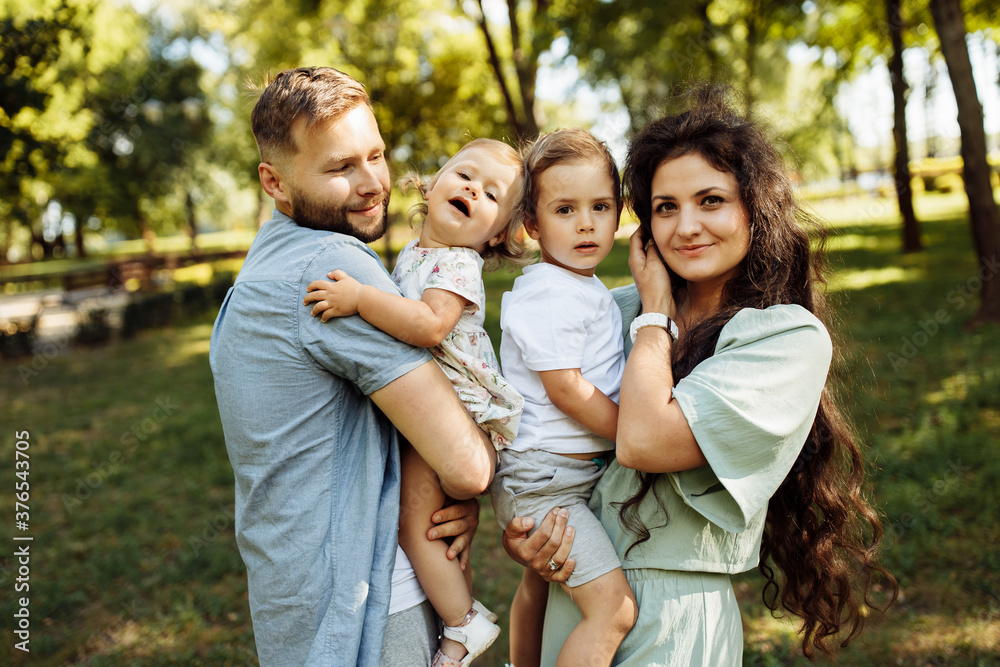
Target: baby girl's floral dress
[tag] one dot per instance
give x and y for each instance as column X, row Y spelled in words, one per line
column 466, row 354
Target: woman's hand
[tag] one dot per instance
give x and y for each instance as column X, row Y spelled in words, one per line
column 651, row 277
column 458, row 520
column 550, row 543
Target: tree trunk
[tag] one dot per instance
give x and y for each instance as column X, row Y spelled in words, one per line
column 751, row 56
column 520, row 132
column 192, row 223
column 81, row 247
column 900, row 91
column 983, row 214
column 147, row 234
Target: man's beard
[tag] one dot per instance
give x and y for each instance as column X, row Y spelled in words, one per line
column 311, row 213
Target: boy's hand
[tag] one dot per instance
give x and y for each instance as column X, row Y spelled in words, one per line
column 334, row 299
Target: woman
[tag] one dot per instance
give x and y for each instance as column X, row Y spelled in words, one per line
column 730, row 448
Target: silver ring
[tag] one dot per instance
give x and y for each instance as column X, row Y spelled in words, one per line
column 553, row 566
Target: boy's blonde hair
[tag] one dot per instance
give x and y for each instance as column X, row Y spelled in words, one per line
column 560, row 147
column 512, row 249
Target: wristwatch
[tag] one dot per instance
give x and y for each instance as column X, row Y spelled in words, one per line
column 653, row 320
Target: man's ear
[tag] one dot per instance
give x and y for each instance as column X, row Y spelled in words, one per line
column 273, row 182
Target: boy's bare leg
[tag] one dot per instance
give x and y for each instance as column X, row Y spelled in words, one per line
column 527, row 616
column 443, row 580
column 609, row 611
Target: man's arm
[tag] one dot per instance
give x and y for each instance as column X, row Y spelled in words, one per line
column 423, row 405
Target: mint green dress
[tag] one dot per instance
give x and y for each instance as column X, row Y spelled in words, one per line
column 750, row 406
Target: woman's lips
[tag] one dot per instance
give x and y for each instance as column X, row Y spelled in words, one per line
column 692, row 250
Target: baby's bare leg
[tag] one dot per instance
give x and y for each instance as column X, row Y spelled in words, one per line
column 609, row 611
column 443, row 580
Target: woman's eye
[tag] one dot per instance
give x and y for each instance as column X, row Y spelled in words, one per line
column 712, row 200
column 666, row 207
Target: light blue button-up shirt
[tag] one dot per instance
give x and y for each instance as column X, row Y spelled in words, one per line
column 316, row 463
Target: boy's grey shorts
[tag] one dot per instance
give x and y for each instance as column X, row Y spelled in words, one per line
column 534, row 482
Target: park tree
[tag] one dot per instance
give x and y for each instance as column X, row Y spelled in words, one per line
column 55, row 53
column 149, row 118
column 984, row 217
column 649, row 52
column 860, row 32
column 900, row 93
column 429, row 95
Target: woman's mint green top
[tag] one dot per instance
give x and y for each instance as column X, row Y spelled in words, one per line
column 750, row 406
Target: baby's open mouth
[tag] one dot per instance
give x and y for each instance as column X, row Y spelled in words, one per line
column 461, row 206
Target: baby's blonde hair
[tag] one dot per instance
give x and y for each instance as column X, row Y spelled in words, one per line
column 512, row 249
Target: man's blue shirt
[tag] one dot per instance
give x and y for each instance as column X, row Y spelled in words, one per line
column 316, row 463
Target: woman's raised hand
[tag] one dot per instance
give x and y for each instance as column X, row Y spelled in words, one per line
column 650, row 274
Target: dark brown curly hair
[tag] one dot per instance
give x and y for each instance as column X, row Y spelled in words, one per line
column 821, row 533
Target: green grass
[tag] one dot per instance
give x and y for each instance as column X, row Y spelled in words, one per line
column 134, row 560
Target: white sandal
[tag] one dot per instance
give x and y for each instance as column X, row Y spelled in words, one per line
column 476, row 636
column 479, row 607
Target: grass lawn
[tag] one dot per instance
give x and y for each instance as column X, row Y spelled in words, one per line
column 133, row 559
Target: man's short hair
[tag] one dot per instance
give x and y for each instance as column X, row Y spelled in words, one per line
column 316, row 94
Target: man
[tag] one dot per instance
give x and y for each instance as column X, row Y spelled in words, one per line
column 309, row 408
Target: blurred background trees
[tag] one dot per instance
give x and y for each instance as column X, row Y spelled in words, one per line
column 126, row 119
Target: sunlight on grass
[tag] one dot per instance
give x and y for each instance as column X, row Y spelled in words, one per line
column 862, row 279
column 871, row 211
column 935, row 634
column 196, row 342
column 841, row 242
column 954, row 388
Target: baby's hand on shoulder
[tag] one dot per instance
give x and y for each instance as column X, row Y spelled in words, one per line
column 334, row 299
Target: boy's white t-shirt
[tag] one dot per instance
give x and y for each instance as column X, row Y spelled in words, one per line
column 555, row 319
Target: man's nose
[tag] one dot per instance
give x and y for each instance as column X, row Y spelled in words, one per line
column 369, row 181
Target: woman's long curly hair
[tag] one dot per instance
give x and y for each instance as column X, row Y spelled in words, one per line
column 821, row 534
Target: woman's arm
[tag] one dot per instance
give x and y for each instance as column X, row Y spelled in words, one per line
column 423, row 323
column 581, row 401
column 653, row 434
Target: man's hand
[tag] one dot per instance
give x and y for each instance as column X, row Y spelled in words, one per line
column 550, row 543
column 334, row 299
column 458, row 520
